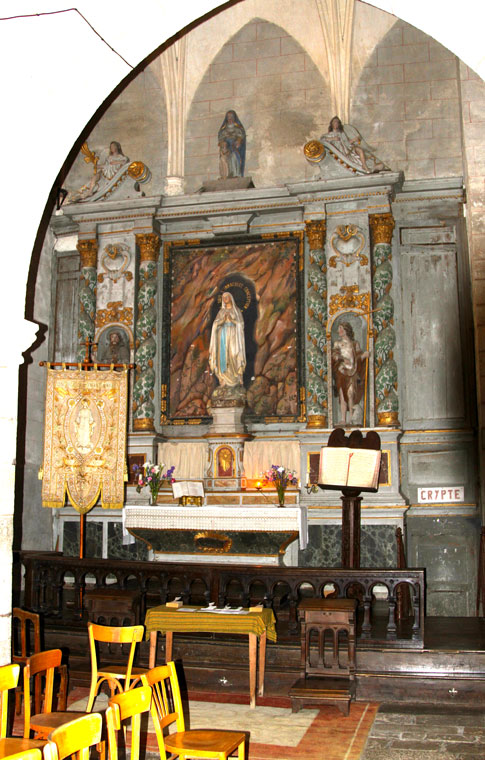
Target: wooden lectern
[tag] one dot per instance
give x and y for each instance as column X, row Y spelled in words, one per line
column 351, row 465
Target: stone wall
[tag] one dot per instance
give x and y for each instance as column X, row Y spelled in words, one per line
column 405, row 102
column 137, row 120
column 273, row 85
column 472, row 91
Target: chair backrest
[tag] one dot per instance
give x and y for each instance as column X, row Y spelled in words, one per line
column 166, row 694
column 130, row 704
column 109, row 634
column 9, row 676
column 37, row 666
column 25, row 634
column 26, row 754
column 79, row 735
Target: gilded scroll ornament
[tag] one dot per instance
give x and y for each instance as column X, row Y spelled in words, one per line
column 349, row 298
column 115, row 260
column 347, row 242
column 314, row 151
column 90, row 156
column 85, row 438
column 212, row 542
column 115, row 312
column 137, row 170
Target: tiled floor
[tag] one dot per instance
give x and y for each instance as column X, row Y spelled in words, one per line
column 413, row 732
column 370, row 732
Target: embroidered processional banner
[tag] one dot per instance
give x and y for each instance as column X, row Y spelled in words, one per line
column 85, row 438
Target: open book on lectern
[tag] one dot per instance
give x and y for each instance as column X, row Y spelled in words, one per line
column 342, row 467
column 187, row 488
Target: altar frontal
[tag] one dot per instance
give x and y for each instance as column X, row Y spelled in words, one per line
column 85, row 438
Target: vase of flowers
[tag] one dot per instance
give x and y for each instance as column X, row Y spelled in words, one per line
column 152, row 475
column 281, row 478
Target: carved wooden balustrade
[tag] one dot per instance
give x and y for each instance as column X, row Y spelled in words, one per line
column 55, row 585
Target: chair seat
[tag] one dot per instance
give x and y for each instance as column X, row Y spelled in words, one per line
column 12, row 745
column 44, row 723
column 205, row 742
column 118, row 671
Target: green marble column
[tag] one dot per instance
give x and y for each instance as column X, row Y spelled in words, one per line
column 316, row 303
column 88, row 251
column 145, row 345
column 386, row 377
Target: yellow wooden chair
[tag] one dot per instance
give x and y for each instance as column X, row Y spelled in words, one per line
column 77, row 736
column 38, row 715
column 9, row 676
column 128, row 705
column 27, row 754
column 113, row 673
column 167, row 705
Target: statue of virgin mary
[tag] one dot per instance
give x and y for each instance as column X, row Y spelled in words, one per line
column 227, row 352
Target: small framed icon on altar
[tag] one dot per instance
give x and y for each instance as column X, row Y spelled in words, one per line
column 189, row 492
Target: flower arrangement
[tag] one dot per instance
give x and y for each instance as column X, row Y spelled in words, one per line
column 152, row 475
column 281, row 478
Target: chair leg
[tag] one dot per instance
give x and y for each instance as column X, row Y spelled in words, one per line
column 18, row 701
column 241, row 751
column 62, row 696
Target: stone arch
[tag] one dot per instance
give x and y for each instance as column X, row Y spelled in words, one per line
column 405, row 101
column 269, row 79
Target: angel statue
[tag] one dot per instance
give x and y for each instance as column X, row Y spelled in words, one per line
column 345, row 143
column 345, row 139
column 103, row 174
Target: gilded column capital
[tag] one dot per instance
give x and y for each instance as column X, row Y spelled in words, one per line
column 315, row 232
column 382, row 226
column 88, row 251
column 149, row 244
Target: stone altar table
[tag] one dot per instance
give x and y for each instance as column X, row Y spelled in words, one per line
column 256, row 534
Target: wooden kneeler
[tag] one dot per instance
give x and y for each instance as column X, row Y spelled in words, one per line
column 327, row 677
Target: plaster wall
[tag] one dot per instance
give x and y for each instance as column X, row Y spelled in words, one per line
column 280, row 96
column 137, row 120
column 33, row 525
column 472, row 97
column 405, row 100
column 269, row 62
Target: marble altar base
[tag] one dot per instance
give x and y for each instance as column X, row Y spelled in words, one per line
column 257, row 535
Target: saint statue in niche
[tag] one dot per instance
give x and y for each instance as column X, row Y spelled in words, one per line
column 232, row 147
column 346, row 142
column 227, row 351
column 114, row 161
column 349, row 374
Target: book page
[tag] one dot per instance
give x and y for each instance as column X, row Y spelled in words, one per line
column 195, row 488
column 178, row 490
column 364, row 468
column 334, row 466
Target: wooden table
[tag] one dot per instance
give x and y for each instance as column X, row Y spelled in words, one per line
column 256, row 625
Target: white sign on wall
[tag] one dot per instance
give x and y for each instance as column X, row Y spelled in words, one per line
column 434, row 494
